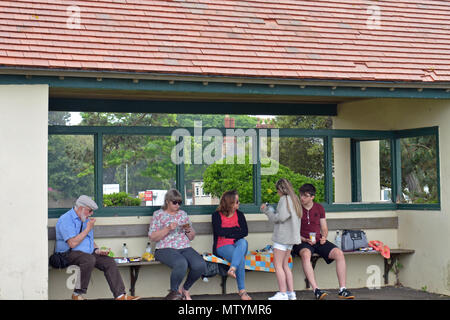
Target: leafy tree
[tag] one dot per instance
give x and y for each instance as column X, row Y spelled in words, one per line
column 219, row 178
column 57, row 118
column 303, row 155
column 215, row 120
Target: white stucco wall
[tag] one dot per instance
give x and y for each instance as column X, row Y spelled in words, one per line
column 23, row 192
column 428, row 232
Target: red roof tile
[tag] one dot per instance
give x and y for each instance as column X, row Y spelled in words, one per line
column 298, row 39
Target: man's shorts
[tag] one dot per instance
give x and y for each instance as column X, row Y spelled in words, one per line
column 322, row 250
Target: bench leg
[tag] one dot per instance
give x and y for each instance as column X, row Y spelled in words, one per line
column 224, row 284
column 388, row 264
column 313, row 263
column 134, row 273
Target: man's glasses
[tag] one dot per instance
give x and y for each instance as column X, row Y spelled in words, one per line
column 174, row 202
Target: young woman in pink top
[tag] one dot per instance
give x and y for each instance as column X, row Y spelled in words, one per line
column 229, row 230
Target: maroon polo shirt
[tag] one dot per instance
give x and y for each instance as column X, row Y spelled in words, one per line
column 311, row 221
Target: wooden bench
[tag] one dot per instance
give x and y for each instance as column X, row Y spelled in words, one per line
column 388, row 263
column 205, row 228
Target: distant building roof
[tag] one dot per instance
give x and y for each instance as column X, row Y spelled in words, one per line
column 404, row 40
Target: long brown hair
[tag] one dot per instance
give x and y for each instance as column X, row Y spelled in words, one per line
column 227, row 201
column 285, row 187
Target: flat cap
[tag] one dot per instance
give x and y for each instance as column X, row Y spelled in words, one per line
column 86, row 201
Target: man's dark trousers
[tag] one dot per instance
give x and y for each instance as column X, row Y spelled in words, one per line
column 87, row 262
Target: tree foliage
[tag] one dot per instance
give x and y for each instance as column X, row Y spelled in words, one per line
column 219, row 178
column 303, row 155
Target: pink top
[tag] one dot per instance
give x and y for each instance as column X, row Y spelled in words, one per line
column 227, row 222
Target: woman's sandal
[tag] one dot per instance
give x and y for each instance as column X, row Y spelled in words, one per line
column 244, row 295
column 232, row 272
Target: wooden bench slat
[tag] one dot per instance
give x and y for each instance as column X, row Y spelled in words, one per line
column 141, row 230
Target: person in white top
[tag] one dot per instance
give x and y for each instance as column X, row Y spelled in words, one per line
column 286, row 233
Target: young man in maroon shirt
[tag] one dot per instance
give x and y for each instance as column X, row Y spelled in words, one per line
column 314, row 221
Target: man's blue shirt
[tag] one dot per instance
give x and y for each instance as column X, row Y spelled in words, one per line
column 68, row 226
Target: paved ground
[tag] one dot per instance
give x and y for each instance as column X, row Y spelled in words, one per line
column 385, row 293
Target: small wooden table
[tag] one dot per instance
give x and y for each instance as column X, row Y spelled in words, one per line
column 134, row 271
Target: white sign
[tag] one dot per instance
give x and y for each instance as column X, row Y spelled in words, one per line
column 158, row 198
column 111, row 188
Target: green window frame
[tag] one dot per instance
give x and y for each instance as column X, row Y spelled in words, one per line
column 356, row 136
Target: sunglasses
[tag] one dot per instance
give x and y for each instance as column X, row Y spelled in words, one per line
column 174, row 202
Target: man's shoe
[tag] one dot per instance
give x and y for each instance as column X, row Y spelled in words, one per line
column 346, row 294
column 319, row 294
column 173, row 295
column 77, row 297
column 127, row 297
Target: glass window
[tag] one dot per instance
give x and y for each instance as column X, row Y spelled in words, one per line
column 419, row 170
column 375, row 170
column 342, row 182
column 231, row 171
column 70, row 169
column 135, row 164
column 301, row 161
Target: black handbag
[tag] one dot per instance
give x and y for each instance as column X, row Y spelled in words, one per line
column 59, row 260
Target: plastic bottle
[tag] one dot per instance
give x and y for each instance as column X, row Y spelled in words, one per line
column 125, row 250
column 338, row 239
column 149, row 248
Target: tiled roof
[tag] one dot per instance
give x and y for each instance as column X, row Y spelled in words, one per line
column 325, row 39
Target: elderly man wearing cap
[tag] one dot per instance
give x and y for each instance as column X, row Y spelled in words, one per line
column 75, row 235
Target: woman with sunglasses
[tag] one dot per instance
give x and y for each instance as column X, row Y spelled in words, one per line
column 172, row 231
column 229, row 230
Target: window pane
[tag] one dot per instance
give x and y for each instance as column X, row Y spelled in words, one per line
column 419, row 170
column 342, row 183
column 135, row 164
column 302, row 161
column 194, row 184
column 70, row 169
column 228, row 167
column 151, row 119
column 375, row 161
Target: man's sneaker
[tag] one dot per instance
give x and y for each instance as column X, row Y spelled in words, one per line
column 77, row 297
column 345, row 294
column 279, row 296
column 291, row 295
column 127, row 297
column 319, row 294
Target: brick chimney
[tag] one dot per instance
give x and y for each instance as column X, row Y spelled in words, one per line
column 229, row 123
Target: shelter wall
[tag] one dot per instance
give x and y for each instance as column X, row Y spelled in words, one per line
column 23, row 191
column 428, row 232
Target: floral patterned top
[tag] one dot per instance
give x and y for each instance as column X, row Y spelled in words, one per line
column 176, row 239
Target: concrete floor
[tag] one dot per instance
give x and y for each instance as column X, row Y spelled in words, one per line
column 384, row 293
